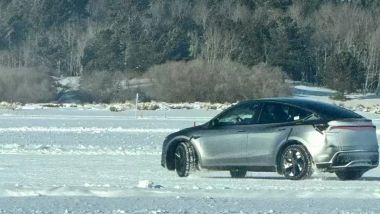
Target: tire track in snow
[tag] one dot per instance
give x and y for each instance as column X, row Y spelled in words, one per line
column 110, row 118
column 79, row 130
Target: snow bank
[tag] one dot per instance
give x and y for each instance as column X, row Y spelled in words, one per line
column 314, row 89
column 357, row 102
column 363, row 105
column 117, row 107
column 71, row 83
column 151, row 106
column 9, row 106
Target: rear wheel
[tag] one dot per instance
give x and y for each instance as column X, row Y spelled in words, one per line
column 296, row 163
column 238, row 173
column 349, row 174
column 185, row 159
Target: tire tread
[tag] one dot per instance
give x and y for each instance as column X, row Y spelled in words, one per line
column 309, row 164
column 191, row 160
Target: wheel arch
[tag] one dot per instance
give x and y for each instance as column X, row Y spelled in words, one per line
column 173, row 146
column 289, row 142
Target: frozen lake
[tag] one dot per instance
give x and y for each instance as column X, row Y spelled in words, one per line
column 96, row 161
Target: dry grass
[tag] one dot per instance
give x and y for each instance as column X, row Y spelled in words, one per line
column 25, row 85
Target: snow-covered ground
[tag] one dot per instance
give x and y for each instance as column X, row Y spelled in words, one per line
column 86, row 159
column 69, row 96
column 96, row 161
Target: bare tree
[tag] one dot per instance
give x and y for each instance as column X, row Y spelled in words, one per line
column 219, row 45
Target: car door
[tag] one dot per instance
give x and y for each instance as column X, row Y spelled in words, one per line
column 273, row 128
column 224, row 143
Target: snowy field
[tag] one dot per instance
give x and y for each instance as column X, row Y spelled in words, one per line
column 96, row 161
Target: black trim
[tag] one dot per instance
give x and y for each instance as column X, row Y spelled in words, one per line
column 248, row 168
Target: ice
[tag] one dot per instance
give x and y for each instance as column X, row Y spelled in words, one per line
column 72, row 160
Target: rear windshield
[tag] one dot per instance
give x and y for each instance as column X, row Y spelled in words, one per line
column 333, row 112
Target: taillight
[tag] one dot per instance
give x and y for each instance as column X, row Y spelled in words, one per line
column 321, row 127
column 353, row 127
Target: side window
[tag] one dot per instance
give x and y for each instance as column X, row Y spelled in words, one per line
column 298, row 114
column 278, row 113
column 240, row 115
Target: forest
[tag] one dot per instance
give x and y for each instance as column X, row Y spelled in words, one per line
column 256, row 43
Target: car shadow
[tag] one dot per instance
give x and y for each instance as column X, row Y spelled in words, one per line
column 250, row 177
column 283, row 178
column 361, row 179
column 370, row 179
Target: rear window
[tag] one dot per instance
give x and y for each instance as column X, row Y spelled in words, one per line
column 333, row 112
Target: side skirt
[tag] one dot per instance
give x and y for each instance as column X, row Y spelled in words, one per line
column 248, row 168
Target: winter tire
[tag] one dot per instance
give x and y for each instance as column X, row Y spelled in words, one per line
column 185, row 159
column 296, row 163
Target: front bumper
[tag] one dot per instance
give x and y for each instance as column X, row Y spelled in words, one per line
column 356, row 159
column 163, row 160
column 164, row 152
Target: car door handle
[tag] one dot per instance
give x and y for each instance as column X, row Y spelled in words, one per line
column 240, row 131
column 281, row 129
column 195, row 137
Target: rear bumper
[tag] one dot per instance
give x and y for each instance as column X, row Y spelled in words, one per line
column 357, row 159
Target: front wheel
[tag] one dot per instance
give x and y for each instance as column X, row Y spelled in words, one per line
column 238, row 173
column 349, row 174
column 296, row 163
column 185, row 159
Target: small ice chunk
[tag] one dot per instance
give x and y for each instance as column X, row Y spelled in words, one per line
column 196, row 187
column 145, row 184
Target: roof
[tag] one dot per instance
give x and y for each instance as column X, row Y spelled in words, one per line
column 329, row 111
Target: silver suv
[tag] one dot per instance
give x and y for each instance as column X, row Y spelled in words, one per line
column 285, row 135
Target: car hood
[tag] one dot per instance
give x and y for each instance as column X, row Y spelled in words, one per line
column 187, row 131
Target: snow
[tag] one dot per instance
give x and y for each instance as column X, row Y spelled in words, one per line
column 72, row 83
column 92, row 160
column 315, row 90
column 145, row 184
column 78, row 130
column 84, row 161
column 362, row 102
